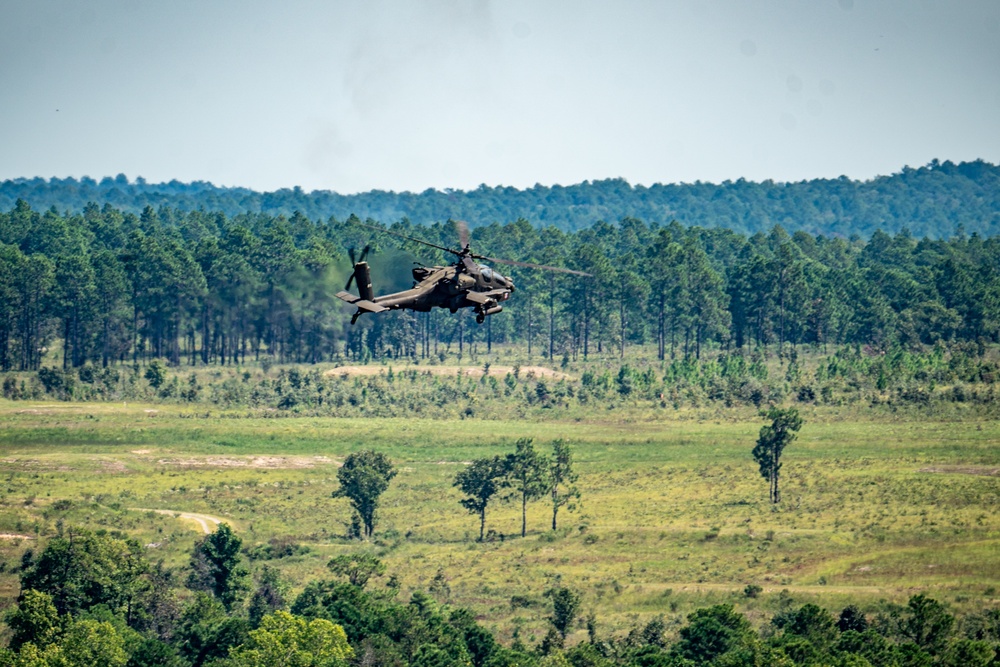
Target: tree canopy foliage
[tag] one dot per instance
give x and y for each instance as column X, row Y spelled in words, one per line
column 771, row 443
column 92, row 598
column 106, row 287
column 364, row 477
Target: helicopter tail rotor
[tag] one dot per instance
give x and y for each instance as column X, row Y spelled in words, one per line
column 354, row 263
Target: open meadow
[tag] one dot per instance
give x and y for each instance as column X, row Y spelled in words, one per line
column 674, row 515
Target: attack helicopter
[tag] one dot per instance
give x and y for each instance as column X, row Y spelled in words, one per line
column 462, row 284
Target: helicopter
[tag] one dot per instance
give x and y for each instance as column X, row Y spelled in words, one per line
column 463, row 284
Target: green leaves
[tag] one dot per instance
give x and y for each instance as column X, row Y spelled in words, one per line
column 284, row 640
column 527, row 474
column 358, row 568
column 217, row 566
column 480, row 481
column 772, row 442
column 364, row 477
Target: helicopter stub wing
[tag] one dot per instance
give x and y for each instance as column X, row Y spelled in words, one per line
column 362, row 304
column 483, row 297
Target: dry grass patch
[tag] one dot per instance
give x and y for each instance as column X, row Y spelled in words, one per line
column 989, row 471
column 451, row 371
column 270, row 462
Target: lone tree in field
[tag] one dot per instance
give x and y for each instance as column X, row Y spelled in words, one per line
column 527, row 476
column 363, row 478
column 772, row 442
column 562, row 479
column 480, row 481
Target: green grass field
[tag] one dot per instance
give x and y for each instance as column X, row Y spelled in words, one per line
column 674, row 516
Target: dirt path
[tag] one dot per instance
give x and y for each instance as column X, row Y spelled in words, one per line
column 468, row 371
column 202, row 520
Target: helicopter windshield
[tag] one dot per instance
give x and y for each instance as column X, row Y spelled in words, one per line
column 486, row 272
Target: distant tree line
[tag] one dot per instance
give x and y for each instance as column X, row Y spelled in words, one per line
column 202, row 288
column 935, row 201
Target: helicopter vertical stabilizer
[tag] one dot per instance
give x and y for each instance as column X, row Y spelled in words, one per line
column 363, row 276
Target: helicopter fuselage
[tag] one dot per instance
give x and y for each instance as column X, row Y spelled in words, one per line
column 464, row 284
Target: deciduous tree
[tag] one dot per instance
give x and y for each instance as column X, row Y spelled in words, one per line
column 527, row 476
column 480, row 482
column 364, row 477
column 562, row 479
column 772, row 442
column 217, row 566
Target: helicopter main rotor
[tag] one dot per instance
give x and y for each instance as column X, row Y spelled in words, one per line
column 463, row 234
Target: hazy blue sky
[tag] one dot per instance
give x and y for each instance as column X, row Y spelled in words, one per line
column 407, row 95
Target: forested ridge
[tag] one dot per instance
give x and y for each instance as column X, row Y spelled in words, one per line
column 936, row 200
column 106, row 286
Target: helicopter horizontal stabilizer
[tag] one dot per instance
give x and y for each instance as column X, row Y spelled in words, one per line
column 362, row 304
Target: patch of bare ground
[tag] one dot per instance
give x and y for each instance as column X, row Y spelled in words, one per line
column 467, row 371
column 15, row 536
column 272, row 462
column 206, row 522
column 113, row 466
column 35, row 464
column 50, row 409
column 987, row 471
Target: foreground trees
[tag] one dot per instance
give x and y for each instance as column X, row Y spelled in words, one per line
column 337, row 623
column 217, row 566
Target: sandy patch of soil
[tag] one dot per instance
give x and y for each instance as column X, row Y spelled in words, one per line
column 271, row 462
column 206, row 522
column 49, row 409
column 467, row 371
column 36, row 464
column 113, row 466
column 15, row 536
column 142, row 451
column 988, row 471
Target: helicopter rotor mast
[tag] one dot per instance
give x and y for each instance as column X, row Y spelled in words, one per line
column 463, row 232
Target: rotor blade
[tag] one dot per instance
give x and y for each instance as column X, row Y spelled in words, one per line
column 532, row 266
column 364, row 253
column 350, row 253
column 410, row 238
column 350, row 281
column 463, row 233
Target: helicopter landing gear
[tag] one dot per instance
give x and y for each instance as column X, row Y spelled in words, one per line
column 480, row 318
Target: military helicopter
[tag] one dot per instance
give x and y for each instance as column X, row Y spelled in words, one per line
column 463, row 284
